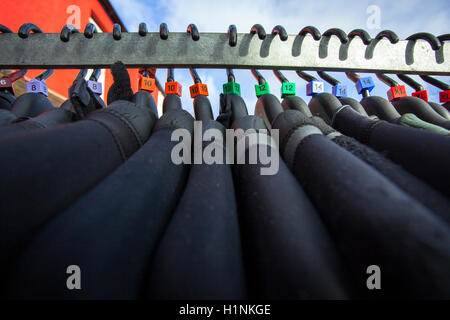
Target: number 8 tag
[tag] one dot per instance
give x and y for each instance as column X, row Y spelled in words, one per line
column 95, row 86
column 37, row 86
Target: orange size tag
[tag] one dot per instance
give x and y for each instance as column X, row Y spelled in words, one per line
column 148, row 84
column 423, row 94
column 198, row 89
column 173, row 87
column 396, row 92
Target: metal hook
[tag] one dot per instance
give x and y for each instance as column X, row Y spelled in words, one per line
column 387, row 80
column 280, row 76
column 258, row 76
column 163, row 31
column 431, row 39
column 338, row 33
column 117, row 31
column 148, row 72
column 66, row 31
column 194, row 75
column 45, row 75
column 4, row 29
column 16, row 75
column 281, row 31
column 232, row 35
column 435, row 82
column 26, row 28
column 444, row 37
column 353, row 76
column 89, row 30
column 192, row 29
column 95, row 74
column 411, row 82
column 312, row 31
column 230, row 75
column 393, row 38
column 325, row 76
column 365, row 37
column 305, row 76
column 257, row 28
column 170, row 75
column 142, row 29
column 81, row 74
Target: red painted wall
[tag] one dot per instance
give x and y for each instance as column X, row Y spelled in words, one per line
column 51, row 16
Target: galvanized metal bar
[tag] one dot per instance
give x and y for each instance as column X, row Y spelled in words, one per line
column 212, row 50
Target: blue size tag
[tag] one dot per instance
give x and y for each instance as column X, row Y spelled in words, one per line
column 340, row 91
column 314, row 87
column 365, row 83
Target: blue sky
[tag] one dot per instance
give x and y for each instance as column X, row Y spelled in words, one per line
column 405, row 17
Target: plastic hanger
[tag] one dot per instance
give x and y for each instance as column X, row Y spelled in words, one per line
column 147, row 84
column 173, row 92
column 35, row 101
column 322, row 104
column 199, row 92
column 404, row 104
column 374, row 106
column 340, row 91
column 267, row 107
column 290, row 100
column 83, row 97
column 7, row 95
column 444, row 96
column 232, row 106
column 421, row 93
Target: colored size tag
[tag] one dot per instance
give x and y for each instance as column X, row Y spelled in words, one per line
column 173, row 87
column 148, row 84
column 5, row 83
column 95, row 86
column 261, row 89
column 198, row 89
column 396, row 92
column 314, row 87
column 340, row 91
column 444, row 96
column 37, row 86
column 232, row 88
column 365, row 83
column 421, row 95
column 287, row 89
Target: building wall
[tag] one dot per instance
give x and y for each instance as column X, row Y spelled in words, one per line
column 51, row 16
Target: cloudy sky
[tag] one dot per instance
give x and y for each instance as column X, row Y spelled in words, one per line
column 405, row 17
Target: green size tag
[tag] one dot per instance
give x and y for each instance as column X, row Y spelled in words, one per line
column 232, row 88
column 287, row 89
column 261, row 89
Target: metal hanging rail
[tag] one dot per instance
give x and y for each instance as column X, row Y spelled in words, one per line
column 332, row 52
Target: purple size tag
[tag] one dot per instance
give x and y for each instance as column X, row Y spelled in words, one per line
column 37, row 86
column 94, row 86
